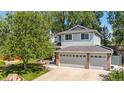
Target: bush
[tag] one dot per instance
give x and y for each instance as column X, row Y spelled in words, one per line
column 116, row 75
column 2, row 62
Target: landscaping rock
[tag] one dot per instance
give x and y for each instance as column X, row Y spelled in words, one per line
column 13, row 77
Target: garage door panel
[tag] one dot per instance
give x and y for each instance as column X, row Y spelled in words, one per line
column 98, row 60
column 72, row 59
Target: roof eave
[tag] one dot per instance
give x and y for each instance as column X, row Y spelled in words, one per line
column 65, row 32
column 82, row 52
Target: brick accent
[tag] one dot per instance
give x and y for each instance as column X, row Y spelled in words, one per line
column 108, row 62
column 57, row 57
column 87, row 63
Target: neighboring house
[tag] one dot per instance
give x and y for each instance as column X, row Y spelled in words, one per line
column 81, row 45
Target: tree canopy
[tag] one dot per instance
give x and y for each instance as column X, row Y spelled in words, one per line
column 27, row 36
column 64, row 20
column 116, row 19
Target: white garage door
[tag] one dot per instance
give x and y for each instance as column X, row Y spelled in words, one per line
column 98, row 60
column 78, row 59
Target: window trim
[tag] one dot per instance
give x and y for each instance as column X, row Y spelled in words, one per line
column 85, row 33
column 68, row 34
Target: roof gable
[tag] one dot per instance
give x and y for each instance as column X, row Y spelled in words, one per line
column 80, row 29
column 77, row 27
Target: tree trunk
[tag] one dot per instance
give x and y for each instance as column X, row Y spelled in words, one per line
column 25, row 64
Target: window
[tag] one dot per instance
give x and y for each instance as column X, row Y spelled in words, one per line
column 73, row 55
column 95, row 56
column 80, row 55
column 59, row 38
column 76, row 55
column 92, row 56
column 84, row 36
column 68, row 37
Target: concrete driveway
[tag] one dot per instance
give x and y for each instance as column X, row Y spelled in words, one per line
column 64, row 73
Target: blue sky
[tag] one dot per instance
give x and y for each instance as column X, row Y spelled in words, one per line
column 103, row 20
column 2, row 13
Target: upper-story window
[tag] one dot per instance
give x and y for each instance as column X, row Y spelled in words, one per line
column 59, row 38
column 84, row 36
column 68, row 37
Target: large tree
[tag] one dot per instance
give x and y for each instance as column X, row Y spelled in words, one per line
column 28, row 36
column 116, row 19
column 64, row 20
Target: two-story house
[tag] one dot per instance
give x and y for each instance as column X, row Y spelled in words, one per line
column 82, row 46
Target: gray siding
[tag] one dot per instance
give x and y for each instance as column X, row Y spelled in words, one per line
column 76, row 37
column 62, row 38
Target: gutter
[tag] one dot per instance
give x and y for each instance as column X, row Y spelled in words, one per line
column 108, row 48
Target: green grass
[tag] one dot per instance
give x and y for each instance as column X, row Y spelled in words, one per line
column 34, row 70
column 31, row 76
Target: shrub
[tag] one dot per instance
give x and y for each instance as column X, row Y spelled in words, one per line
column 2, row 62
column 116, row 75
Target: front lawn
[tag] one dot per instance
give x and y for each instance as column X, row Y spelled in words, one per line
column 34, row 70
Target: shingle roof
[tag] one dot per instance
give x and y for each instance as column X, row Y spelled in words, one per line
column 86, row 49
column 79, row 29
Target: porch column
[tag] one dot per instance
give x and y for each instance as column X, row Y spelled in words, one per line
column 87, row 63
column 108, row 62
column 57, row 58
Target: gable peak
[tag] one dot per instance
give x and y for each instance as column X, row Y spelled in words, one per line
column 78, row 27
